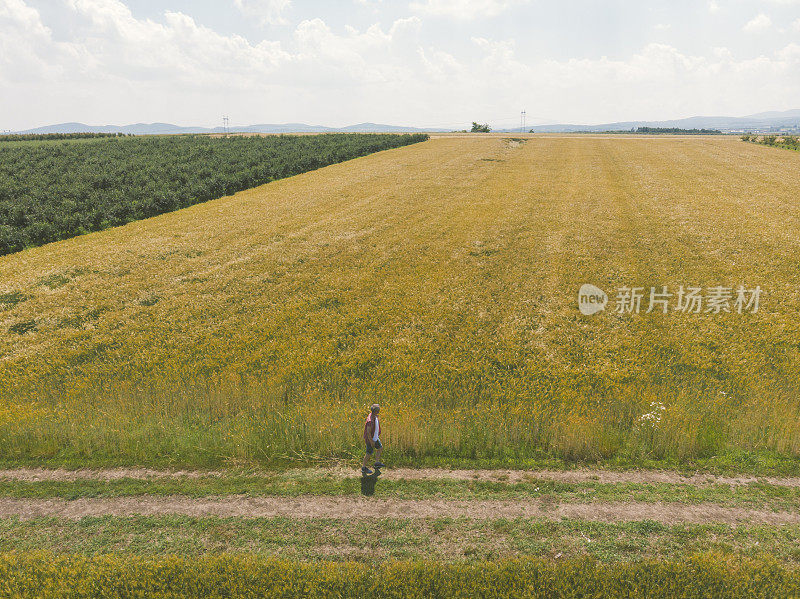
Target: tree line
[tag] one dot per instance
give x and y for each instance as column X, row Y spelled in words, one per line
column 50, row 192
column 790, row 142
column 58, row 136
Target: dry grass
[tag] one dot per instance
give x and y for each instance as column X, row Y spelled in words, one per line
column 438, row 279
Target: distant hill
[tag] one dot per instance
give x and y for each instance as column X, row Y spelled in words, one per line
column 168, row 129
column 754, row 122
column 792, row 114
column 762, row 121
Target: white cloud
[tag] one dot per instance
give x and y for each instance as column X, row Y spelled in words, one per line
column 109, row 65
column 440, row 65
column 662, row 27
column 796, row 25
column 790, row 53
column 658, row 82
column 266, row 11
column 356, row 58
column 464, row 9
column 19, row 13
column 758, row 24
column 713, row 7
column 498, row 56
column 722, row 52
column 27, row 48
column 176, row 50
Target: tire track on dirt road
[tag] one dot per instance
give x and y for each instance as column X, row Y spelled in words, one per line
column 506, row 476
column 304, row 507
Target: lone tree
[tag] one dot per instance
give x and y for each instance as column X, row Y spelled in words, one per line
column 478, row 128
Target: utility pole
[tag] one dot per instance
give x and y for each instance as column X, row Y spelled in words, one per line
column 522, row 122
column 225, row 121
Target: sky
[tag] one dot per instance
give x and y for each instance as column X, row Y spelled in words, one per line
column 426, row 63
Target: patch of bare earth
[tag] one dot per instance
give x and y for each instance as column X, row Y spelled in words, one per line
column 105, row 474
column 362, row 507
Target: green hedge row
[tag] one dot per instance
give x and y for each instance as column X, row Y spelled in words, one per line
column 55, row 136
column 45, row 576
column 790, row 142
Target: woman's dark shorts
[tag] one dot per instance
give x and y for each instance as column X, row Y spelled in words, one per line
column 377, row 445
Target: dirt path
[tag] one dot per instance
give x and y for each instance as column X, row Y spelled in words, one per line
column 510, row 476
column 582, row 475
column 364, row 507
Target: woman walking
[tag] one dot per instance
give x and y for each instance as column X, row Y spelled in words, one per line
column 372, row 431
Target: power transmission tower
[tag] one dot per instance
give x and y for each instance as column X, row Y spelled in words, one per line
column 225, row 121
column 522, row 122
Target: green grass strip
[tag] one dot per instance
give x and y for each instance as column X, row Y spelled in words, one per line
column 293, row 485
column 443, row 539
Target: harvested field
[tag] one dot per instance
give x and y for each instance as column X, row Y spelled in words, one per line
column 442, row 279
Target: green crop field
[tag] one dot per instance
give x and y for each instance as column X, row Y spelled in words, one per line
column 52, row 189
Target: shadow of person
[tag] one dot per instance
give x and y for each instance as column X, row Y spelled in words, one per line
column 368, row 482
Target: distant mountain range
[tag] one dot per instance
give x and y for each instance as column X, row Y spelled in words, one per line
column 762, row 121
column 168, row 129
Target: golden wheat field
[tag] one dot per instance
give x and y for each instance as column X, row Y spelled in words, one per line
column 439, row 280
